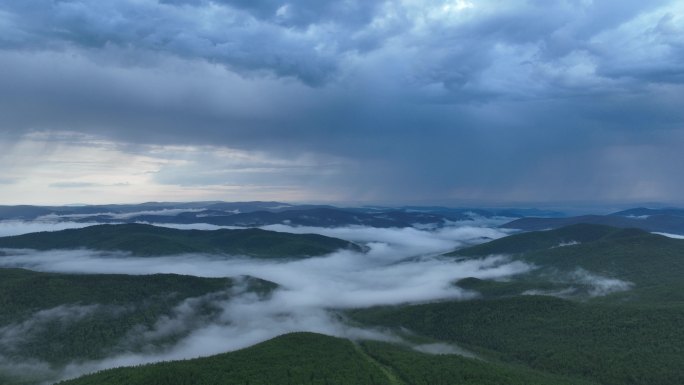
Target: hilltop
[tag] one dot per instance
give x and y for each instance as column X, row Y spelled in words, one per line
column 147, row 240
column 589, row 257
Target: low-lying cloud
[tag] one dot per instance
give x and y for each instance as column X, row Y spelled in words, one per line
column 599, row 285
column 16, row 334
column 407, row 241
column 115, row 215
column 583, row 283
column 675, row 236
column 9, row 228
column 311, row 290
column 400, row 266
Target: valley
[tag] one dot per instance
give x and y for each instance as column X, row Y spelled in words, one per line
column 580, row 304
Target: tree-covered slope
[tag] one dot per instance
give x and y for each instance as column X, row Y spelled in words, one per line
column 141, row 239
column 653, row 265
column 664, row 221
column 54, row 319
column 298, row 358
column 411, row 367
column 627, row 336
column 307, row 358
column 23, row 292
column 544, row 240
column 611, row 344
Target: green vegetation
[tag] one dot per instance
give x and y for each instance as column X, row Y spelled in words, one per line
column 544, row 240
column 610, row 344
column 497, row 289
column 307, row 358
column 631, row 254
column 59, row 318
column 147, row 240
column 298, row 358
column 411, row 367
column 653, row 263
column 628, row 337
column 23, row 292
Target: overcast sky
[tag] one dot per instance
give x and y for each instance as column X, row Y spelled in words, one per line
column 399, row 101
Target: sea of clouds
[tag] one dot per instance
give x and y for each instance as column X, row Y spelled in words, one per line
column 399, row 265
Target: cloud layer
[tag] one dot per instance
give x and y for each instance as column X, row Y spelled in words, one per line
column 400, row 267
column 396, row 100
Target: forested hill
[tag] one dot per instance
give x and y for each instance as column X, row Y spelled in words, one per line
column 147, row 240
column 651, row 265
column 609, row 343
column 49, row 320
column 565, row 236
column 23, row 292
column 664, row 221
column 308, row 358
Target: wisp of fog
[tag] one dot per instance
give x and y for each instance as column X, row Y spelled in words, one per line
column 399, row 266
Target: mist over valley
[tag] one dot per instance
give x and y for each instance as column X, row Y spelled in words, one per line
column 81, row 297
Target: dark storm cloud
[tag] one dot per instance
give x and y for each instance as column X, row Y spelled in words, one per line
column 299, row 13
column 427, row 100
column 225, row 35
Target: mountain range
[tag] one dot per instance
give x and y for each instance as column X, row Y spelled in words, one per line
column 655, row 220
column 252, row 214
column 598, row 305
column 602, row 306
column 148, row 240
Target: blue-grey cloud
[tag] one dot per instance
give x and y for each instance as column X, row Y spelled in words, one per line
column 432, row 100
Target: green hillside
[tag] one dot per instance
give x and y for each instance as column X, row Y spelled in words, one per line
column 652, row 264
column 609, row 344
column 147, row 240
column 298, row 358
column 632, row 336
column 629, row 336
column 307, row 358
column 543, row 240
column 59, row 318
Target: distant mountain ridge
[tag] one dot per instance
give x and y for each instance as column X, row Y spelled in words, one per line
column 250, row 214
column 670, row 220
column 318, row 217
column 148, row 240
column 543, row 240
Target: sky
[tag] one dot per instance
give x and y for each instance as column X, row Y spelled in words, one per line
column 398, row 101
